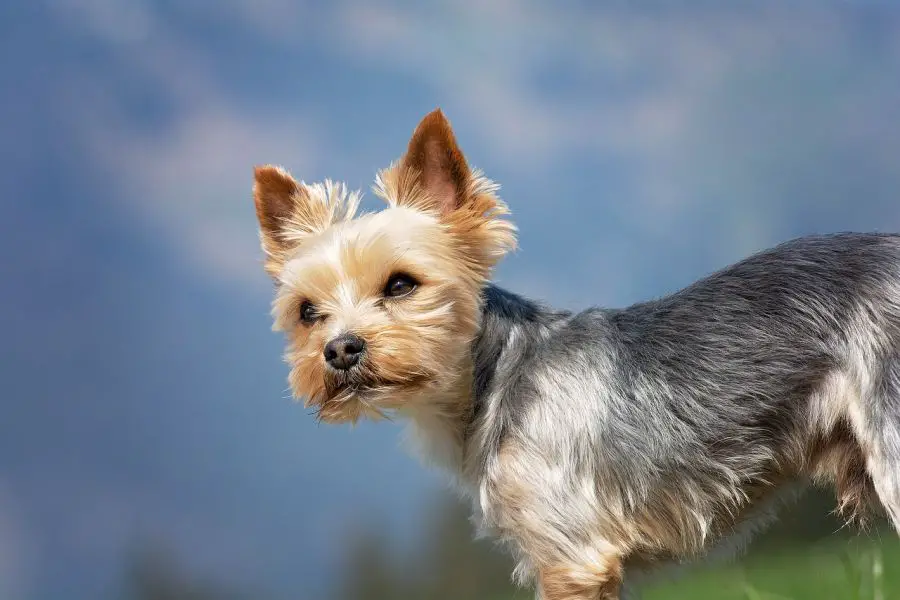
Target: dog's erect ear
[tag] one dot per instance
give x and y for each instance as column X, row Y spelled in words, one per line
column 278, row 197
column 275, row 194
column 435, row 160
column 289, row 211
column 434, row 176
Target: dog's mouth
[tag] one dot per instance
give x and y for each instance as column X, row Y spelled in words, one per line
column 360, row 380
column 348, row 398
column 357, row 392
column 340, row 384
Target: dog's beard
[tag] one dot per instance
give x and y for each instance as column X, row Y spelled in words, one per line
column 342, row 383
column 350, row 395
column 360, row 392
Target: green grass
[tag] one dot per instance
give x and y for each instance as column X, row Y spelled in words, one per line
column 859, row 569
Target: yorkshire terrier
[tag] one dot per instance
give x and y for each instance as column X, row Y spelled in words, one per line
column 600, row 442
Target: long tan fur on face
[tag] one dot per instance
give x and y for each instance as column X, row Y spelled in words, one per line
column 411, row 342
column 318, row 251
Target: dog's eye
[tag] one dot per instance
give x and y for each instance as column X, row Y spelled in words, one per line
column 400, row 284
column 308, row 312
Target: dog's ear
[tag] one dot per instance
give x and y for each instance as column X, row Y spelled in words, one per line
column 437, row 165
column 434, row 176
column 289, row 211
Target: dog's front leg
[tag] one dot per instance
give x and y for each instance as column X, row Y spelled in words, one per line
column 597, row 579
column 556, row 528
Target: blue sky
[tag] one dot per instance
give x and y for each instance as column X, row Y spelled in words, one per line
column 639, row 145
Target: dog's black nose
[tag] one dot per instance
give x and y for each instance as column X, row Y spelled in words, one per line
column 344, row 351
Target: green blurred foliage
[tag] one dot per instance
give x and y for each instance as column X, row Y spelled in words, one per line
column 154, row 573
column 445, row 564
column 862, row 569
column 807, row 555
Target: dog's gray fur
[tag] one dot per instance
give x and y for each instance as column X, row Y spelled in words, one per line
column 686, row 411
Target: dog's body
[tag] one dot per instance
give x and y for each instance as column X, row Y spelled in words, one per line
column 661, row 426
column 606, row 439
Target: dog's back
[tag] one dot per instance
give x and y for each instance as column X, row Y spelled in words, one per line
column 792, row 354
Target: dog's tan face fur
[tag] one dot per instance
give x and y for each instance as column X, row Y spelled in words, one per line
column 440, row 236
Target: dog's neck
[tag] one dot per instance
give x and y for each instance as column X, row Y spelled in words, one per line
column 450, row 432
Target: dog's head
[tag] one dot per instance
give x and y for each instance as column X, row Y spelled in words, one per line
column 380, row 309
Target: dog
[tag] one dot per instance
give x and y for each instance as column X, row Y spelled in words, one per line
column 601, row 442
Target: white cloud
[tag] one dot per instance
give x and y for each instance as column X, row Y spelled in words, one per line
column 659, row 91
column 196, row 176
column 192, row 175
column 111, row 20
column 699, row 105
column 651, row 76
